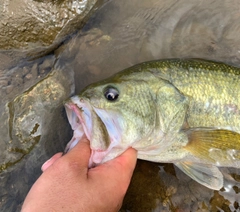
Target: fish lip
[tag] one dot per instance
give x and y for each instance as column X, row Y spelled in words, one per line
column 79, row 113
column 77, row 110
column 79, row 116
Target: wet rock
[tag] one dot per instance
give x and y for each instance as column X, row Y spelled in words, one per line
column 94, row 70
column 3, row 83
column 34, row 128
column 47, row 64
column 17, row 81
column 45, row 67
column 40, row 26
column 34, row 70
column 9, row 89
column 25, row 71
column 14, row 80
column 28, row 77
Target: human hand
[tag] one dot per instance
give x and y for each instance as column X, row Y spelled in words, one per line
column 67, row 184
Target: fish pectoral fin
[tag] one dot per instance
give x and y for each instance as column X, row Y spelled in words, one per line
column 217, row 146
column 205, row 174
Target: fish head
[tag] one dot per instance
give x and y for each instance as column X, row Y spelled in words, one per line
column 114, row 115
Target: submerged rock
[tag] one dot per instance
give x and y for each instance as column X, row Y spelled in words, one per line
column 34, row 128
column 121, row 34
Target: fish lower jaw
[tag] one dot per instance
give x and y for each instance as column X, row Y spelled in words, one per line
column 96, row 157
column 97, row 150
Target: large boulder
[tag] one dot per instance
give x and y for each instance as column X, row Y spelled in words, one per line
column 34, row 126
column 39, row 26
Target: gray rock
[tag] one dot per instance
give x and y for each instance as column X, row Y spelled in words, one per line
column 34, row 127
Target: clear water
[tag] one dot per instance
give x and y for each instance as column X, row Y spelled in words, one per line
column 121, row 34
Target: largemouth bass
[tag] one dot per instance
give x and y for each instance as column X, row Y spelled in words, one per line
column 180, row 111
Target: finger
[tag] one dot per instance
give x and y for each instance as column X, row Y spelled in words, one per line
column 125, row 163
column 80, row 153
column 51, row 161
column 127, row 160
column 122, row 167
column 119, row 169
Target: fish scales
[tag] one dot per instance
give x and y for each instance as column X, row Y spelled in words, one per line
column 213, row 89
column 216, row 101
column 182, row 111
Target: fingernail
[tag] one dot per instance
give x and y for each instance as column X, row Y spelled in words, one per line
column 43, row 168
column 46, row 161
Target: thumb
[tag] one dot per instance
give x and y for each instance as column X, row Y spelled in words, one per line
column 119, row 170
column 80, row 153
column 50, row 161
column 126, row 161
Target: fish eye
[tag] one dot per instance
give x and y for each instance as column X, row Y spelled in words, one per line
column 111, row 93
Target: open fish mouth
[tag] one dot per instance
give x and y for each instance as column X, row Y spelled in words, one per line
column 102, row 131
column 80, row 123
column 79, row 114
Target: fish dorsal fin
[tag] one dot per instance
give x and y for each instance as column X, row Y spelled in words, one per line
column 217, row 146
column 205, row 174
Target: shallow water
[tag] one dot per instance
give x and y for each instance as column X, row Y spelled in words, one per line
column 149, row 30
column 163, row 187
column 121, row 34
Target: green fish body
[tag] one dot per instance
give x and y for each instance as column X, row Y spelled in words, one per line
column 181, row 111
